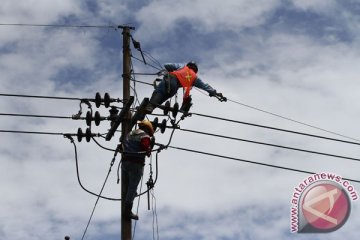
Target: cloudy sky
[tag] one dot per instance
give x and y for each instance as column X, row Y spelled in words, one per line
column 294, row 58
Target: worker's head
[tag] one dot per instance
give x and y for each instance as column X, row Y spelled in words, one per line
column 193, row 66
column 147, row 126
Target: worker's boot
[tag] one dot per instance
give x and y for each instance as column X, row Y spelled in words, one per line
column 155, row 100
column 128, row 213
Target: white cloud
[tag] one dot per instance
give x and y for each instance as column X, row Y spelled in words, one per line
column 282, row 71
column 204, row 16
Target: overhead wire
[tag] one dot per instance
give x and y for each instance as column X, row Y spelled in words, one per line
column 293, row 120
column 154, row 60
column 286, row 118
column 66, row 25
column 183, row 149
column 269, row 144
column 251, row 162
column 273, row 128
column 140, row 60
column 34, row 115
column 99, row 195
column 40, row 96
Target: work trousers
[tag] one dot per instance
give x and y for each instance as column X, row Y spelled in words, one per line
column 132, row 173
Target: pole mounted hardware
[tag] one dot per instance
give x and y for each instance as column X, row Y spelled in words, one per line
column 88, row 135
column 106, row 100
column 150, row 184
column 162, row 126
column 119, row 118
column 97, row 118
column 167, row 108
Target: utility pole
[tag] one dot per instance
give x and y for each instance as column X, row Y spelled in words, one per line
column 126, row 124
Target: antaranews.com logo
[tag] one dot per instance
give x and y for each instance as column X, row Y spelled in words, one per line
column 321, row 203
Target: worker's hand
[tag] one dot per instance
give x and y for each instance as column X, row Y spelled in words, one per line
column 148, row 153
column 220, row 97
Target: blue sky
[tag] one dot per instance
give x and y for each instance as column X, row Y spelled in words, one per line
column 295, row 58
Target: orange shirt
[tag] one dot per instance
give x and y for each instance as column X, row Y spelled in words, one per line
column 186, row 77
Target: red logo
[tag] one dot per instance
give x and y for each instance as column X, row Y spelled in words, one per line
column 325, row 207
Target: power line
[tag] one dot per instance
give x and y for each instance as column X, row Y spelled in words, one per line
column 292, row 120
column 98, row 197
column 274, row 128
column 280, row 116
column 33, row 115
column 140, row 60
column 252, row 162
column 39, row 96
column 30, row 132
column 271, row 145
column 63, row 25
column 196, row 114
column 146, row 83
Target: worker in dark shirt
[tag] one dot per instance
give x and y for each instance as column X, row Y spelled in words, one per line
column 136, row 146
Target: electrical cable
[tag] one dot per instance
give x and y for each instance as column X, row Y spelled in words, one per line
column 288, row 119
column 30, row 132
column 65, row 25
column 97, row 143
column 32, row 115
column 251, row 162
column 292, row 120
column 154, row 213
column 140, row 60
column 39, row 96
column 102, row 188
column 146, row 83
column 145, row 74
column 154, row 60
column 76, row 159
column 272, row 145
column 274, row 128
column 78, row 174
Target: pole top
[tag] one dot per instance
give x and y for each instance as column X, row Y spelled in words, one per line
column 125, row 26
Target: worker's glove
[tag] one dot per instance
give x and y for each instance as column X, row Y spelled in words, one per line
column 218, row 96
column 186, row 104
column 221, row 97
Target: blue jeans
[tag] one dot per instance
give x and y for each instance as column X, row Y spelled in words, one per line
column 132, row 173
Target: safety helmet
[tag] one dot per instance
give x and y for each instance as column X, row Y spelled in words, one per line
column 193, row 66
column 148, row 125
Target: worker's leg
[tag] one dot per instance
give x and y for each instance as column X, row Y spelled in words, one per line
column 134, row 173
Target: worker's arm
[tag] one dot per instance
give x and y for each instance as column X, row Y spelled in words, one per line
column 204, row 86
column 145, row 143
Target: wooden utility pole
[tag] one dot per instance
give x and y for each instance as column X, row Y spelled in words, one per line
column 126, row 125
